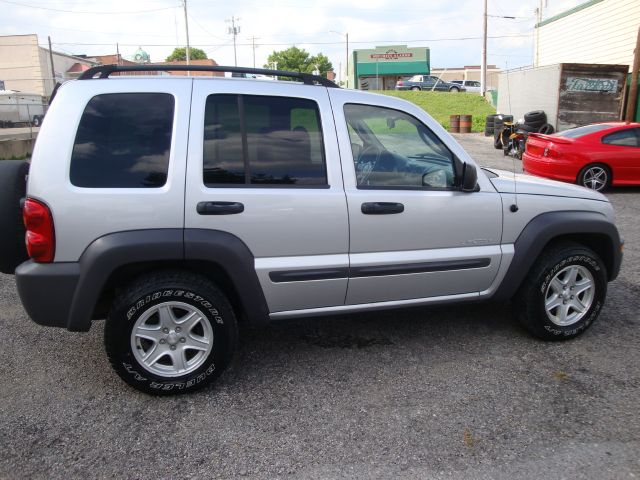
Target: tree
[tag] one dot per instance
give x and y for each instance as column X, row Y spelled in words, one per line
column 298, row 60
column 180, row 53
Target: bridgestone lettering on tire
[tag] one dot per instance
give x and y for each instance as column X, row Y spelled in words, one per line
column 563, row 293
column 170, row 332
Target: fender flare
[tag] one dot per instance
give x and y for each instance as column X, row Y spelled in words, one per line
column 545, row 228
column 110, row 252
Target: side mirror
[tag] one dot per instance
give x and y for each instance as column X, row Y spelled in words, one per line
column 469, row 181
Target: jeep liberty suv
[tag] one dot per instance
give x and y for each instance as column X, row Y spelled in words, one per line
column 176, row 206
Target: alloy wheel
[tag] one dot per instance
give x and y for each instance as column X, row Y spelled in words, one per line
column 569, row 295
column 172, row 339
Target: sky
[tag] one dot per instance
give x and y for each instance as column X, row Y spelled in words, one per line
column 452, row 29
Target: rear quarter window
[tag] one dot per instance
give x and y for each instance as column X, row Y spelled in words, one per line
column 123, row 141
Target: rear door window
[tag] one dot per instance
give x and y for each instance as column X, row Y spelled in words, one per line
column 262, row 141
column 123, row 141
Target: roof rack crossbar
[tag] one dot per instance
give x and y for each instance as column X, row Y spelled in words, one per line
column 105, row 70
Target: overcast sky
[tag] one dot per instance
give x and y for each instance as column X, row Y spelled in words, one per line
column 93, row 27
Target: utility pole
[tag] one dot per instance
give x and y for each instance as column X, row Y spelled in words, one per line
column 347, row 37
column 233, row 30
column 53, row 70
column 253, row 47
column 539, row 21
column 483, row 68
column 633, row 88
column 118, row 53
column 186, row 26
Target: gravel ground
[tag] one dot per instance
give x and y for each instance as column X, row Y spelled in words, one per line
column 444, row 393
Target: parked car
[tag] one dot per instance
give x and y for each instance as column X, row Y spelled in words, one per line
column 471, row 86
column 176, row 207
column 596, row 156
column 428, row 82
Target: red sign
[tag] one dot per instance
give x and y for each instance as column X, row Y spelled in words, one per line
column 391, row 55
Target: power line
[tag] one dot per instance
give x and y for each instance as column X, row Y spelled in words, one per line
column 83, row 11
column 208, row 45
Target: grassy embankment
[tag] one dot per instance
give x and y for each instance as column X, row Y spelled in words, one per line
column 442, row 104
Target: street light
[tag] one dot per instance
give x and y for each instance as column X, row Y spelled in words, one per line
column 346, row 36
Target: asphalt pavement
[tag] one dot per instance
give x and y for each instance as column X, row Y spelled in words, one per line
column 444, row 393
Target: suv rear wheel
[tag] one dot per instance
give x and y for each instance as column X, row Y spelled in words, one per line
column 170, row 332
column 563, row 294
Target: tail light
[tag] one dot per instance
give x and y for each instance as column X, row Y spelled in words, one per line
column 550, row 153
column 40, row 237
column 400, row 83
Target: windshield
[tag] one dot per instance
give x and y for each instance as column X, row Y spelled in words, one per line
column 582, row 131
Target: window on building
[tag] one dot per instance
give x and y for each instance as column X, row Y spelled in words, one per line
column 397, row 150
column 261, row 140
column 123, row 141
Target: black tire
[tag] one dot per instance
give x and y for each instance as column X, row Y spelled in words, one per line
column 488, row 131
column 523, row 127
column 454, row 90
column 534, row 126
column 416, row 89
column 37, row 121
column 596, row 176
column 529, row 302
column 546, row 129
column 497, row 142
column 13, row 188
column 535, row 117
column 175, row 288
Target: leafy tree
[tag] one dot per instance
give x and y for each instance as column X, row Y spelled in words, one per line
column 298, row 60
column 180, row 53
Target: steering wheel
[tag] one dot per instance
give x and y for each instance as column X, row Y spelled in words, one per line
column 367, row 161
column 374, row 159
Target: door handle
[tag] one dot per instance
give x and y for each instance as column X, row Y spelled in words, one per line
column 219, row 208
column 382, row 208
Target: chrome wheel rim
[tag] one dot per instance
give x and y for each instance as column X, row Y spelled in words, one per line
column 172, row 339
column 569, row 295
column 595, row 178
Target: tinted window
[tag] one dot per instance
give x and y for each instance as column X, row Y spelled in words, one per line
column 582, row 131
column 624, row 138
column 262, row 140
column 123, row 140
column 397, row 150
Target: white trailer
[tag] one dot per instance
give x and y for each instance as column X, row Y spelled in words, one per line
column 17, row 108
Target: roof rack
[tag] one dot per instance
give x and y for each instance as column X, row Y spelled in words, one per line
column 105, row 70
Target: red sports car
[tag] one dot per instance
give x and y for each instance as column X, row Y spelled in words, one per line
column 595, row 156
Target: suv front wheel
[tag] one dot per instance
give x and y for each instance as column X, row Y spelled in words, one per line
column 170, row 332
column 563, row 294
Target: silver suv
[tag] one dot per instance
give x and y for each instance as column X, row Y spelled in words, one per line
column 175, row 207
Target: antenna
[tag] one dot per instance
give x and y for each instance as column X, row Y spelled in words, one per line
column 514, row 206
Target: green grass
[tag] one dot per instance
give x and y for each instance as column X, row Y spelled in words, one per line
column 13, row 157
column 442, row 104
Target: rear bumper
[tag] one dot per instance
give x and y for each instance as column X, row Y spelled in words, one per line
column 47, row 291
column 554, row 170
